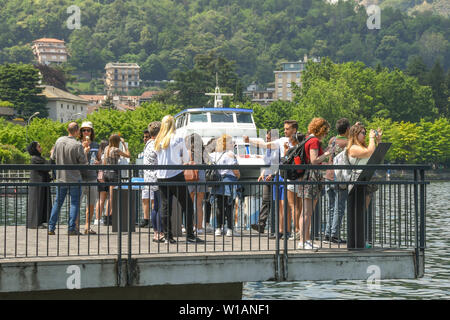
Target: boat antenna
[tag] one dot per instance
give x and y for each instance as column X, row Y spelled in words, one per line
column 218, row 102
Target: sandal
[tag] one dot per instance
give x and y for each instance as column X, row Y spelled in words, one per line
column 89, row 231
column 160, row 240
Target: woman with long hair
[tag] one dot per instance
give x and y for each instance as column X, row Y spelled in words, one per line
column 102, row 190
column 87, row 138
column 359, row 152
column 112, row 155
column 197, row 154
column 225, row 194
column 318, row 129
column 171, row 150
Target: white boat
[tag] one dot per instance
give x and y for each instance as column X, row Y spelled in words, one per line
column 211, row 123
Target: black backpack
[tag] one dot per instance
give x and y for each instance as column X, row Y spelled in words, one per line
column 295, row 155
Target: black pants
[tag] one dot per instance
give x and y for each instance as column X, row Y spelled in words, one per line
column 224, row 211
column 207, row 213
column 181, row 193
column 265, row 207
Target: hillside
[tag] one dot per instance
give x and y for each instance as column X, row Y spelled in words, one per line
column 165, row 35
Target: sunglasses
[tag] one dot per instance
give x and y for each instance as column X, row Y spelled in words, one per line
column 363, row 132
column 146, row 137
column 85, row 130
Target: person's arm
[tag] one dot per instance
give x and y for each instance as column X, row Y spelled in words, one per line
column 125, row 153
column 237, row 173
column 82, row 156
column 315, row 158
column 360, row 152
column 314, row 153
column 260, row 143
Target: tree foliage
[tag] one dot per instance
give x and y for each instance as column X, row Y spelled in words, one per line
column 165, row 35
column 19, row 85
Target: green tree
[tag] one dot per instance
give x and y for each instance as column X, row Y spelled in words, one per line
column 192, row 85
column 19, row 84
column 437, row 82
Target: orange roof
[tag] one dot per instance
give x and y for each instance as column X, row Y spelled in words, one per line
column 149, row 94
column 93, row 97
column 48, row 40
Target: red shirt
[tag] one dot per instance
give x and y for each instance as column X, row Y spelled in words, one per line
column 312, row 144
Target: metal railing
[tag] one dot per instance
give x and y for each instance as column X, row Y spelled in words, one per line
column 393, row 217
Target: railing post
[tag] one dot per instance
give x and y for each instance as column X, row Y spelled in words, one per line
column 277, row 230
column 130, row 206
column 119, row 225
column 422, row 213
column 416, row 218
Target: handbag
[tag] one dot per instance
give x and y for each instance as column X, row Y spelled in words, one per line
column 213, row 174
column 190, row 174
column 100, row 176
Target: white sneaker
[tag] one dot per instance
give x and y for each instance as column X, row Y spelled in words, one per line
column 209, row 228
column 200, row 231
column 308, row 245
column 218, row 232
column 183, row 229
column 96, row 222
column 232, row 233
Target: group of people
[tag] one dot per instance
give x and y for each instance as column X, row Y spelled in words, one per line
column 302, row 199
column 78, row 147
column 164, row 146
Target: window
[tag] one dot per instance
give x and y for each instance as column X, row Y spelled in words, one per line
column 289, row 94
column 61, row 105
column 279, row 95
column 67, row 107
column 280, row 76
column 288, row 85
column 73, row 107
column 298, row 74
column 280, row 85
column 244, row 118
column 81, row 108
column 222, row 117
column 198, row 117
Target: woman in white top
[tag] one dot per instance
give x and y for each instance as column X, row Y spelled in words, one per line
column 359, row 152
column 225, row 194
column 171, row 150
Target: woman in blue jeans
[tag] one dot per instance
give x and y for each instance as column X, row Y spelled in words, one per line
column 225, row 194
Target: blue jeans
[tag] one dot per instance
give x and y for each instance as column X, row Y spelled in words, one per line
column 61, row 192
column 336, row 209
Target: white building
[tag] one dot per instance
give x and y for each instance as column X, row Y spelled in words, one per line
column 63, row 106
column 48, row 50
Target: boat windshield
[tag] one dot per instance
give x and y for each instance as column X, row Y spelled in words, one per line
column 221, row 117
column 198, row 117
column 244, row 118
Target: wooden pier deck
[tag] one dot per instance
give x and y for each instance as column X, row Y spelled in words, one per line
column 20, row 242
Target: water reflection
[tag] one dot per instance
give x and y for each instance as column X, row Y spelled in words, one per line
column 434, row 285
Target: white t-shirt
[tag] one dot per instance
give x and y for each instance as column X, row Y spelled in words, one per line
column 228, row 158
column 175, row 154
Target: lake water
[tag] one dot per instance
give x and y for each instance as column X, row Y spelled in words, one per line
column 434, row 285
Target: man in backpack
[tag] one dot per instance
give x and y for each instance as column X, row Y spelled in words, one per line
column 336, row 208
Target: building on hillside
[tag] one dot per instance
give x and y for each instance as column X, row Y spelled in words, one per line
column 63, row 106
column 147, row 96
column 121, row 77
column 47, row 50
column 257, row 94
column 94, row 99
column 290, row 73
column 123, row 103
